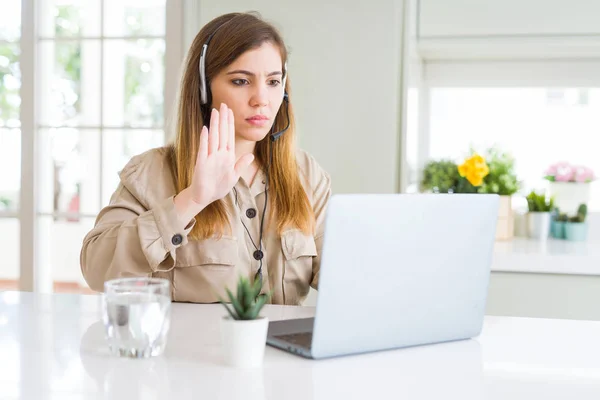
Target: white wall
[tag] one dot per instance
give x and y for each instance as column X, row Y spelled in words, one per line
column 345, row 70
column 508, row 30
column 489, row 18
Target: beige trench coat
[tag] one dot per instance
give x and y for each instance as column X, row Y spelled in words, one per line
column 140, row 234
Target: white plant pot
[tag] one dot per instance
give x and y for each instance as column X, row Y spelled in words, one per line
column 243, row 342
column 538, row 225
column 506, row 219
column 569, row 195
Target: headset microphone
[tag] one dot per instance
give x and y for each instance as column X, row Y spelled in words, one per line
column 276, row 135
column 204, row 101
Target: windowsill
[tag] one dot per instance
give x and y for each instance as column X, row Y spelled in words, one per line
column 550, row 257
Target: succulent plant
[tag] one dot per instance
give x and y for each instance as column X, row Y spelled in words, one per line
column 539, row 202
column 562, row 217
column 248, row 302
column 581, row 214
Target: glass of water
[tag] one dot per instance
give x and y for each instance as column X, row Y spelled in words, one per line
column 137, row 316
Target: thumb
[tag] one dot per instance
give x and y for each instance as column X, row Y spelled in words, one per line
column 243, row 163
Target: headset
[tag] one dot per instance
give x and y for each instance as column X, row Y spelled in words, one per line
column 204, row 101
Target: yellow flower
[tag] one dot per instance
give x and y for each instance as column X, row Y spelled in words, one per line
column 474, row 169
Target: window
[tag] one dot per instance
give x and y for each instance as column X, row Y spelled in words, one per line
column 10, row 140
column 99, row 100
column 538, row 125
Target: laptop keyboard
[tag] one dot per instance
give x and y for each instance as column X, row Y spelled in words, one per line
column 303, row 339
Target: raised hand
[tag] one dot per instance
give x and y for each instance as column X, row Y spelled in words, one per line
column 217, row 169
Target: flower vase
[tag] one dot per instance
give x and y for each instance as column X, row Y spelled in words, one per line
column 569, row 195
column 538, row 225
column 576, row 231
column 244, row 342
column 557, row 229
column 506, row 220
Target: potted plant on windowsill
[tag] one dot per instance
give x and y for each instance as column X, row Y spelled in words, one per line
column 490, row 174
column 439, row 176
column 501, row 180
column 557, row 226
column 243, row 330
column 446, row 176
column 569, row 185
column 576, row 227
column 538, row 217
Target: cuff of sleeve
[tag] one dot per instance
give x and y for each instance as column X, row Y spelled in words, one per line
column 161, row 234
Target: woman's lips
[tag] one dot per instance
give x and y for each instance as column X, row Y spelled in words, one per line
column 259, row 120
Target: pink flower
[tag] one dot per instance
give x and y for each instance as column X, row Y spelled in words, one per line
column 584, row 174
column 559, row 168
column 565, row 172
column 565, row 175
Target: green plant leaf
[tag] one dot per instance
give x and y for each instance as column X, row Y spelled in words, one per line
column 240, row 290
column 501, row 178
column 248, row 298
column 260, row 302
column 256, row 287
column 231, row 313
column 439, row 176
column 539, row 202
column 236, row 304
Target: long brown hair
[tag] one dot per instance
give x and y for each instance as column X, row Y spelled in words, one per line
column 235, row 34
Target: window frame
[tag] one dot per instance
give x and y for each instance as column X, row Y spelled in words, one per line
column 34, row 274
column 492, row 73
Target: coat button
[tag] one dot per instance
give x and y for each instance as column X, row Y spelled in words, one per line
column 177, row 239
column 258, row 255
column 251, row 213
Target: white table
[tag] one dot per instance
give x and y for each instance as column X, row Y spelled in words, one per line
column 52, row 347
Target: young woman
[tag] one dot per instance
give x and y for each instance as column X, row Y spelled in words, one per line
column 231, row 195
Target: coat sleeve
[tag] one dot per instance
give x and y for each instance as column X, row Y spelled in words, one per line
column 131, row 241
column 322, row 193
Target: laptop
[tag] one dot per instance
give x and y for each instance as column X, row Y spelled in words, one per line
column 397, row 270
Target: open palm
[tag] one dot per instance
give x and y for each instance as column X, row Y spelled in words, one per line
column 217, row 169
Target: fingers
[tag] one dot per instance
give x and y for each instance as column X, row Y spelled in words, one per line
column 203, row 146
column 223, row 126
column 213, row 135
column 231, row 142
column 243, row 163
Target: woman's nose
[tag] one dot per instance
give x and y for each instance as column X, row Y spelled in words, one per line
column 260, row 97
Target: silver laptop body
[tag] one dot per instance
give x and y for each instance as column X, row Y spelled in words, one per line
column 397, row 270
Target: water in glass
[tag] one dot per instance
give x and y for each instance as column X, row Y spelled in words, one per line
column 137, row 316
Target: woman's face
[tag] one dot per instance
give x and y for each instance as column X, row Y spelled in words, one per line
column 252, row 87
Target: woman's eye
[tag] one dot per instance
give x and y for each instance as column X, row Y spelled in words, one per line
column 239, row 82
column 274, row 82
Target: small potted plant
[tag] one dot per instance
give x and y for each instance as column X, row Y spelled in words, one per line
column 576, row 228
column 569, row 185
column 501, row 180
column 243, row 330
column 558, row 225
column 538, row 217
column 492, row 174
column 440, row 176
